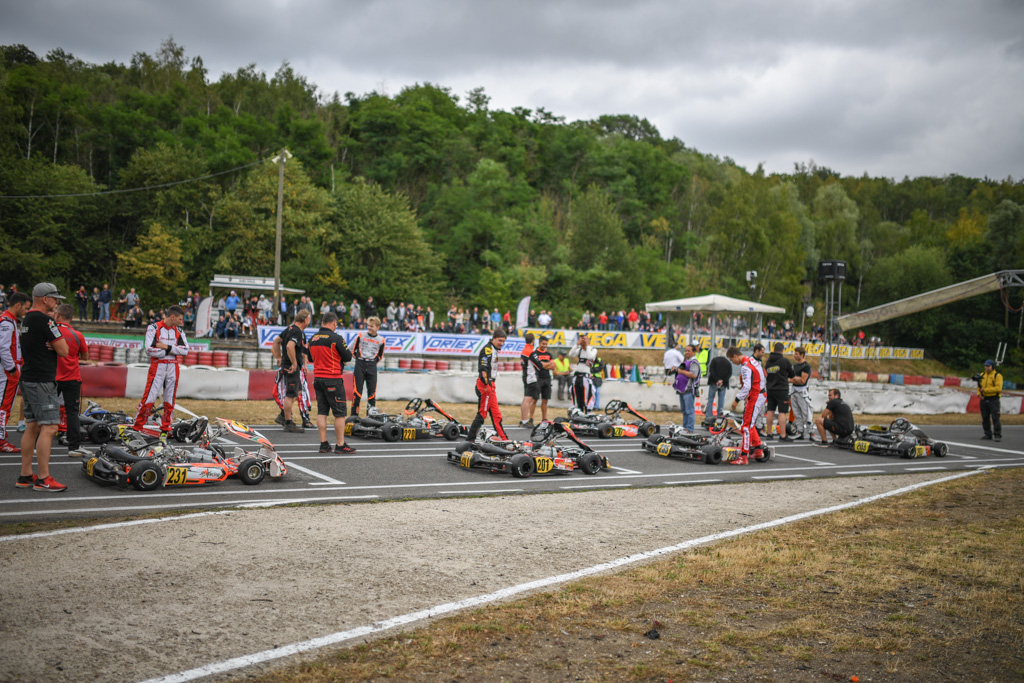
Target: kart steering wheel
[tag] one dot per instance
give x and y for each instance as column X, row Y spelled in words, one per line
column 199, row 425
column 542, row 432
column 900, row 424
column 614, row 406
column 413, row 406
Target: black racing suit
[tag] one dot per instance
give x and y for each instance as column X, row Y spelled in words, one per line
column 367, row 351
column 487, row 397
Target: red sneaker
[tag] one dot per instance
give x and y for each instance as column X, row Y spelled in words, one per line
column 742, row 460
column 25, row 481
column 8, row 447
column 49, row 484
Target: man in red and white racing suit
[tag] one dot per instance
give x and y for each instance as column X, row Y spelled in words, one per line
column 165, row 344
column 752, row 389
column 10, row 359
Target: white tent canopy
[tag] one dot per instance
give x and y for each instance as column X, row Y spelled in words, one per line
column 713, row 302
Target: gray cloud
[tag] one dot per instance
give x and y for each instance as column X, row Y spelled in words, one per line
column 908, row 88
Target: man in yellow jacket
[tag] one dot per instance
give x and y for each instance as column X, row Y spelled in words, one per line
column 990, row 386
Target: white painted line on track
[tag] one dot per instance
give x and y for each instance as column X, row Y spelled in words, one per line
column 782, row 476
column 326, row 479
column 164, row 506
column 113, row 525
column 483, row 491
column 594, row 486
column 924, row 469
column 984, row 448
column 696, row 481
column 863, row 472
column 504, row 593
column 624, row 470
column 793, row 457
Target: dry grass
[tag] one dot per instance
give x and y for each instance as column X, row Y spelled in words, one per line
column 924, row 587
column 263, row 412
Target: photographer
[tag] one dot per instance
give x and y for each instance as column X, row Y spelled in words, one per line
column 990, row 387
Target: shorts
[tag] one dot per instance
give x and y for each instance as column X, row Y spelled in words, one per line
column 41, row 403
column 831, row 426
column 531, row 391
column 544, row 389
column 778, row 400
column 292, row 384
column 330, row 396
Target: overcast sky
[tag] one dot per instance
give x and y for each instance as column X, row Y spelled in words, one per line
column 891, row 88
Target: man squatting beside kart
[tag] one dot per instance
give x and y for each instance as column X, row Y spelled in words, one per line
column 487, row 396
column 290, row 353
column 329, row 352
column 369, row 350
column 166, row 344
column 752, row 390
column 581, row 391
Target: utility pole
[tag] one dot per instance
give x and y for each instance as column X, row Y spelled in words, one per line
column 284, row 156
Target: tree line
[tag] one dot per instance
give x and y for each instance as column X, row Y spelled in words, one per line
column 436, row 197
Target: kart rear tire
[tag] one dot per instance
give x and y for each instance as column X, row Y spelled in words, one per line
column 590, row 463
column 146, row 476
column 390, row 432
column 905, row 449
column 450, row 431
column 100, row 433
column 712, row 455
column 766, row 454
column 180, row 431
column 521, row 466
column 251, row 471
column 939, row 449
column 462, row 447
column 604, row 430
column 646, row 429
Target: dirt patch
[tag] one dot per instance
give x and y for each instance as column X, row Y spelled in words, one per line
column 134, row 602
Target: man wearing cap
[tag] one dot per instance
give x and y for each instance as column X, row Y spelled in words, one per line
column 10, row 358
column 990, row 387
column 165, row 344
column 41, row 345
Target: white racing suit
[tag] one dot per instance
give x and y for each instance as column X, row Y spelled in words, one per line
column 581, row 391
column 163, row 372
column 752, row 381
column 10, row 373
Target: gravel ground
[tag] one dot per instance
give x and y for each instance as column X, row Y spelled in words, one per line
column 135, row 602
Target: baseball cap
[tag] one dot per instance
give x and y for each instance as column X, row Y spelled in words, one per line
column 988, row 362
column 46, row 289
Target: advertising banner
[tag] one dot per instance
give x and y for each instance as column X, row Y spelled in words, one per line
column 127, row 342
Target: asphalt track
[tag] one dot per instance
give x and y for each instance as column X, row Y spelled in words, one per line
column 415, row 470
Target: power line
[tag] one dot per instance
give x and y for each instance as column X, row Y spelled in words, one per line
column 131, row 189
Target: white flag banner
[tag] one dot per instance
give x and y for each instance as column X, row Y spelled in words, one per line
column 523, row 313
column 203, row 314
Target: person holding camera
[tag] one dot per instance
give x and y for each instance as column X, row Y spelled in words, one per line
column 990, row 387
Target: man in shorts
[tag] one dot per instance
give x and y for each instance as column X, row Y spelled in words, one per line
column 329, row 352
column 778, row 371
column 542, row 364
column 289, row 350
column 529, row 403
column 837, row 418
column 41, row 345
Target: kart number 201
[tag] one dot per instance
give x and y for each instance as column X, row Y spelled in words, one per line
column 544, row 465
column 861, row 446
column 176, row 475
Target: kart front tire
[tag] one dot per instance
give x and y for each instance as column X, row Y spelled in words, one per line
column 590, row 463
column 450, row 431
column 604, row 430
column 713, row 455
column 146, row 476
column 939, row 449
column 390, row 432
column 646, row 429
column 521, row 466
column 251, row 471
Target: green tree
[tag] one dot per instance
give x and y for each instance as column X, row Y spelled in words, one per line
column 154, row 266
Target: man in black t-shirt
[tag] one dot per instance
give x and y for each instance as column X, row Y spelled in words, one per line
column 837, row 418
column 41, row 345
column 290, row 351
column 778, row 371
column 542, row 363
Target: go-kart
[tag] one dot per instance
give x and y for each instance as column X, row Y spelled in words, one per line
column 901, row 437
column 723, row 445
column 423, row 425
column 609, row 425
column 376, row 425
column 148, row 463
column 553, row 448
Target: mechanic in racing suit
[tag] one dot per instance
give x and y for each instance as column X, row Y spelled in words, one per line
column 581, row 391
column 752, row 389
column 368, row 350
column 10, row 358
column 165, row 344
column 486, row 394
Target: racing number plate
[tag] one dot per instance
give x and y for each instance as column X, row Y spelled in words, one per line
column 89, row 465
column 348, row 429
column 408, row 434
column 664, row 448
column 466, row 460
column 861, row 446
column 544, row 465
column 618, row 431
column 920, row 451
column 176, row 475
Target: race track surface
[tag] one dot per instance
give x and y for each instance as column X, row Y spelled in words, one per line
column 419, row 470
